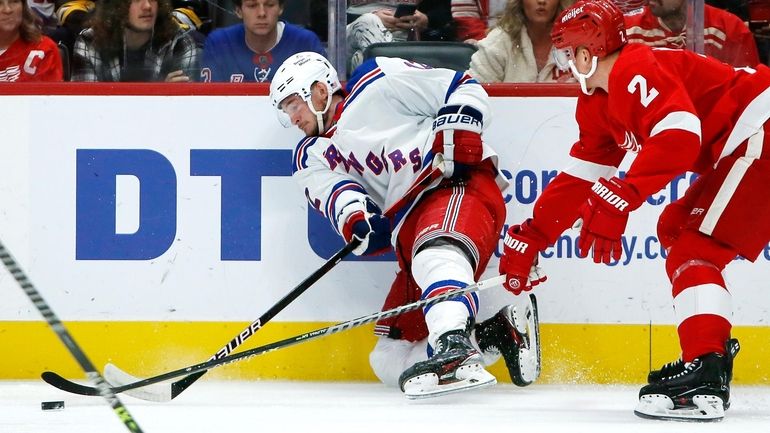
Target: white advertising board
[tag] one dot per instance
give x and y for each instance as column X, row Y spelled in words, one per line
column 181, row 208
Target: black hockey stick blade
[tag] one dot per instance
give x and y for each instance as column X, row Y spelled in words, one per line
column 75, row 388
column 57, row 381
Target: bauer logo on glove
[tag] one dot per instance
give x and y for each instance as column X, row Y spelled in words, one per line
column 457, row 130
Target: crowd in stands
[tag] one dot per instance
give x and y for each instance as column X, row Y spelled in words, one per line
column 179, row 41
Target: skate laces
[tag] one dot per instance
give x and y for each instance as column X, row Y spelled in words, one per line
column 453, row 340
column 687, row 368
column 671, row 368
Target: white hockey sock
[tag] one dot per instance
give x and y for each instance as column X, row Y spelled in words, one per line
column 443, row 263
column 390, row 358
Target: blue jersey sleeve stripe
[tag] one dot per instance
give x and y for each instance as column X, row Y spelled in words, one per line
column 300, row 153
column 366, row 67
column 459, row 79
column 365, row 81
column 331, row 203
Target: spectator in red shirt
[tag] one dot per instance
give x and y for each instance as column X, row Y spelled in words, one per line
column 662, row 23
column 25, row 54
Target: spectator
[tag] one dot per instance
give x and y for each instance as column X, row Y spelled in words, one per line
column 134, row 40
column 739, row 8
column 474, row 17
column 518, row 49
column 44, row 12
column 252, row 50
column 662, row 23
column 758, row 17
column 432, row 21
column 192, row 16
column 72, row 18
column 25, row 54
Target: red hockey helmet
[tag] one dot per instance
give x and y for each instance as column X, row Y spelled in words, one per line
column 594, row 24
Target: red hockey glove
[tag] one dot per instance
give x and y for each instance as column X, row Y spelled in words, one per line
column 364, row 221
column 604, row 216
column 519, row 260
column 457, row 130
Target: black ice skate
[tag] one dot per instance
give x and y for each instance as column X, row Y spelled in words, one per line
column 514, row 332
column 696, row 391
column 669, row 369
column 455, row 366
column 675, row 367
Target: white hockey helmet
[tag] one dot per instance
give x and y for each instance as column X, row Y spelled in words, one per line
column 296, row 76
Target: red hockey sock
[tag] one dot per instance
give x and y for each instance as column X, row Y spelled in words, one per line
column 702, row 302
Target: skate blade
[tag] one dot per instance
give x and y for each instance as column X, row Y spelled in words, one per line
column 526, row 321
column 471, row 376
column 708, row 408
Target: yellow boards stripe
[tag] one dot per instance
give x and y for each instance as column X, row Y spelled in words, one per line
column 572, row 353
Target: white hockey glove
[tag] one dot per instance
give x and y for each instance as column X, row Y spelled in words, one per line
column 457, row 135
column 363, row 220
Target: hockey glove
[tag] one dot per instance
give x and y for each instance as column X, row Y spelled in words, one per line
column 457, row 135
column 364, row 221
column 519, row 261
column 604, row 216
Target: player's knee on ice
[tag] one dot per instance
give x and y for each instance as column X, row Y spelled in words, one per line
column 391, row 357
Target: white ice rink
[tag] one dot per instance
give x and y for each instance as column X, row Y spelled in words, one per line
column 274, row 407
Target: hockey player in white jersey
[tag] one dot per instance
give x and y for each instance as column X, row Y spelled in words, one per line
column 407, row 138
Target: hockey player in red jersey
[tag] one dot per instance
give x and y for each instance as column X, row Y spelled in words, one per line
column 25, row 54
column 677, row 111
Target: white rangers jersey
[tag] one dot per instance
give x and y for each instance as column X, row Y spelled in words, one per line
column 381, row 141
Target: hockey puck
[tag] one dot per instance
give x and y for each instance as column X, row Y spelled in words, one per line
column 52, row 405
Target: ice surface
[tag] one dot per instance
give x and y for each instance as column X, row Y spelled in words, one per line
column 303, row 407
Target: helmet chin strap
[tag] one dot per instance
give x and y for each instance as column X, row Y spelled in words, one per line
column 319, row 115
column 583, row 77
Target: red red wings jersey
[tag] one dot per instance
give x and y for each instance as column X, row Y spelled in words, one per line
column 31, row 61
column 679, row 111
column 725, row 36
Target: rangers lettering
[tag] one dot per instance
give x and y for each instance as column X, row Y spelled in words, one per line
column 609, row 196
column 515, row 244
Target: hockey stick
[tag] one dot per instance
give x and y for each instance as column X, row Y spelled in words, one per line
column 166, row 392
column 69, row 386
column 101, row 388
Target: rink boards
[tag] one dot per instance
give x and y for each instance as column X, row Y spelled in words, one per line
column 158, row 221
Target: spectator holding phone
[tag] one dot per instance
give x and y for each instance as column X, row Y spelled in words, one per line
column 427, row 20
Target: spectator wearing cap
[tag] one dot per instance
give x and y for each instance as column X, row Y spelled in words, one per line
column 192, row 17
